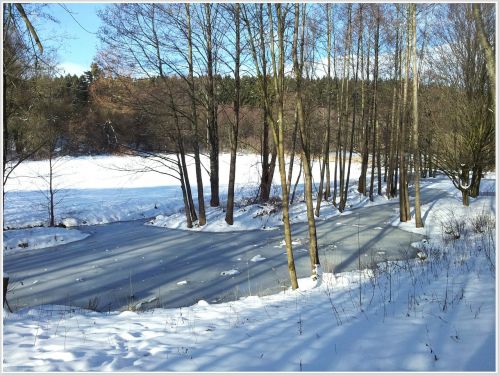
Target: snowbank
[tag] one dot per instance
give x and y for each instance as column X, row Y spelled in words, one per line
column 39, row 237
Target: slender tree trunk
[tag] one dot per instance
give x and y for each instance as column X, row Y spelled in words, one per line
column 345, row 114
column 267, row 167
column 187, row 212
column 292, row 198
column 235, row 127
column 391, row 181
column 326, row 145
column 292, row 152
column 298, row 63
column 375, row 140
column 194, row 123
column 366, row 133
column 187, row 184
column 404, row 199
column 213, row 133
column 355, row 100
column 52, row 221
column 416, row 151
column 278, row 129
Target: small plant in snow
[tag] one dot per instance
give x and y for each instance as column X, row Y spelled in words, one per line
column 453, row 227
column 481, row 223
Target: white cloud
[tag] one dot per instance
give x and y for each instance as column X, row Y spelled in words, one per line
column 72, row 68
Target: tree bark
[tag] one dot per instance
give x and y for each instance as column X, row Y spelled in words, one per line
column 194, row 123
column 278, row 129
column 404, row 199
column 375, row 140
column 416, row 151
column 488, row 51
column 326, row 145
column 355, row 101
column 236, row 109
column 213, row 132
column 298, row 63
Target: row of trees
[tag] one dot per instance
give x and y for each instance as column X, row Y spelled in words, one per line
column 408, row 88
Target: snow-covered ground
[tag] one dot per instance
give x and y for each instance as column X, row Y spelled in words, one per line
column 39, row 237
column 431, row 314
column 105, row 189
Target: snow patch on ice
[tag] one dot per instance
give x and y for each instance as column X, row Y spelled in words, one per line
column 257, row 258
column 39, row 237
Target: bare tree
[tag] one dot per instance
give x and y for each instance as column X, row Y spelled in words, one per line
column 259, row 52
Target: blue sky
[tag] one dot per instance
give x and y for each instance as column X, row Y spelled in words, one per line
column 75, row 47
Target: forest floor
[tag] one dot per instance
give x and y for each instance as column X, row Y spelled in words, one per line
column 435, row 312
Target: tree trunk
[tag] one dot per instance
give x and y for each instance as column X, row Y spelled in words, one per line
column 51, row 188
column 404, row 199
column 267, row 168
column 375, row 140
column 416, row 151
column 366, row 133
column 5, row 286
column 392, row 170
column 187, row 212
column 292, row 152
column 213, row 133
column 326, row 145
column 345, row 112
column 278, row 130
column 194, row 124
column 235, row 127
column 292, row 197
column 298, row 63
column 355, row 100
column 488, row 52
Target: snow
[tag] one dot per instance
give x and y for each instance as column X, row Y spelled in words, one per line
column 104, row 189
column 316, row 328
column 39, row 237
column 257, row 258
column 429, row 314
column 449, row 208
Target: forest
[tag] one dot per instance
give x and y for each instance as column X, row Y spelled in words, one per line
column 407, row 89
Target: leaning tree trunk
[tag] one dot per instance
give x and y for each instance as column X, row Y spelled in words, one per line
column 187, row 212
